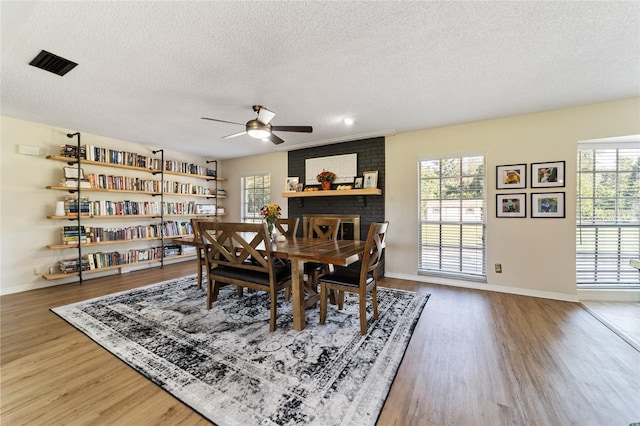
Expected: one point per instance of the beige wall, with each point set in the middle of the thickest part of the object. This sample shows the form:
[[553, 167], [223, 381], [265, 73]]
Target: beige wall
[[274, 164], [24, 229], [537, 255]]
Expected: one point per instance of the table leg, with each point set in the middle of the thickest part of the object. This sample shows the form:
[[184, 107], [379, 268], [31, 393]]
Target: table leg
[[297, 291]]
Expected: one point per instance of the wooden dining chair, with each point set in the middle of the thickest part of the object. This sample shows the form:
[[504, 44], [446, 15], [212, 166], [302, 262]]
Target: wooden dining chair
[[241, 254], [200, 250], [348, 280], [288, 227]]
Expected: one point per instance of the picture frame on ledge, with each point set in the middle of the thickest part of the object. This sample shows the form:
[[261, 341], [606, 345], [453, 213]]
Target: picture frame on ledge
[[511, 205], [547, 175], [291, 184], [547, 205], [357, 182], [511, 176], [370, 179]]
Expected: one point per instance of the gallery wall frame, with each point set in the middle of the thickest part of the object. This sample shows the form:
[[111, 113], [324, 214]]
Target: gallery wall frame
[[511, 176], [549, 174], [511, 205], [548, 205]]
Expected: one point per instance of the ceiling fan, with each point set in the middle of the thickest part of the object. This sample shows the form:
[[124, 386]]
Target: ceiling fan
[[260, 128]]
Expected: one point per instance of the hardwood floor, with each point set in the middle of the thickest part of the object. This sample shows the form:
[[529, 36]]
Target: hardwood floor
[[476, 358]]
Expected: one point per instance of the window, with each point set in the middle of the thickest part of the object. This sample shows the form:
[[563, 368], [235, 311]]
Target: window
[[608, 216], [256, 193], [452, 219]]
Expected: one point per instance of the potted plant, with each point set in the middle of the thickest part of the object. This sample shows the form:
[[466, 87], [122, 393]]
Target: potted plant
[[326, 178]]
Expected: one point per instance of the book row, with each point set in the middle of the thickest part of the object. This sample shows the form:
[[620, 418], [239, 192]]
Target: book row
[[124, 183], [124, 208], [103, 155], [96, 234]]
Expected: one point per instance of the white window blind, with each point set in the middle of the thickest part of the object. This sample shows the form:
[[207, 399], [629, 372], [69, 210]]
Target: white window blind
[[452, 217], [256, 193], [608, 216]]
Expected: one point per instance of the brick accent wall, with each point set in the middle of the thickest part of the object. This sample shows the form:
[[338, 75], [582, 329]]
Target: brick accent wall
[[370, 158]]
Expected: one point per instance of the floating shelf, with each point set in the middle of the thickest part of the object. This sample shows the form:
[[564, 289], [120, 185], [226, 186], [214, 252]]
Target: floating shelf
[[333, 193]]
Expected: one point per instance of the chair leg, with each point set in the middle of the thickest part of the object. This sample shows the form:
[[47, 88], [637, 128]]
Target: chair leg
[[240, 291], [323, 302], [274, 308], [340, 299], [209, 293], [363, 312], [287, 294], [199, 271], [374, 294]]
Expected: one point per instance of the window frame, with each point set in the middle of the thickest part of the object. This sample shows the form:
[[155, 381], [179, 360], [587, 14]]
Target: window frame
[[245, 215], [475, 270]]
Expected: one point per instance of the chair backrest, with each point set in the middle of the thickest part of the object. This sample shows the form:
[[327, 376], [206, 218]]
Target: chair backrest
[[196, 228], [373, 248], [237, 245], [325, 228], [288, 227]]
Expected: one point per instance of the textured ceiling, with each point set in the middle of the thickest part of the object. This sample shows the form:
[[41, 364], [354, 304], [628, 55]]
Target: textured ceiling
[[149, 70]]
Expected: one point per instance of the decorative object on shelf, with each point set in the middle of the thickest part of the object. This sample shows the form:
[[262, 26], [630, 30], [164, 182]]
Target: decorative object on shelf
[[511, 205], [290, 184], [511, 176], [271, 213], [547, 204], [60, 208], [547, 175], [325, 178], [299, 187], [370, 179], [344, 187]]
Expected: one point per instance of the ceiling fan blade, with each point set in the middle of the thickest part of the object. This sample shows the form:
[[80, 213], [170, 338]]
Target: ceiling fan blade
[[301, 129], [265, 116], [276, 140], [222, 121], [235, 135]]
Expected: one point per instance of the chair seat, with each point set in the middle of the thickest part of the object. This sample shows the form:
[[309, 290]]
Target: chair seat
[[283, 274], [346, 277], [313, 266]]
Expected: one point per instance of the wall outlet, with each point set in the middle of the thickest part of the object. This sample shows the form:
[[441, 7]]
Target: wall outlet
[[499, 268], [37, 270]]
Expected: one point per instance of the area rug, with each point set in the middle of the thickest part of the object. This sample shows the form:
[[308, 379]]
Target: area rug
[[225, 364]]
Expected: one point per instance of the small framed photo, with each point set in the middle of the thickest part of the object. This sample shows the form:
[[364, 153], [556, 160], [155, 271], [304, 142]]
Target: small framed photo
[[547, 204], [511, 205], [291, 184], [357, 183], [511, 176], [370, 179], [547, 175]]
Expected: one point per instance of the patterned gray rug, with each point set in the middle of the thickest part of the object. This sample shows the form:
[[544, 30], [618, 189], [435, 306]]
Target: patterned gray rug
[[226, 365]]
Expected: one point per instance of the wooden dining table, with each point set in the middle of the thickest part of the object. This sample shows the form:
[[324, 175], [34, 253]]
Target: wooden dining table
[[301, 250]]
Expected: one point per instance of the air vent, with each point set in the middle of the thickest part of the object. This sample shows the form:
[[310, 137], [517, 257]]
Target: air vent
[[52, 63]]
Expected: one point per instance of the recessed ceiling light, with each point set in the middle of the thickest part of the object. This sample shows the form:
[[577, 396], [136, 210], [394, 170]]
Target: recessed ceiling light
[[348, 121]]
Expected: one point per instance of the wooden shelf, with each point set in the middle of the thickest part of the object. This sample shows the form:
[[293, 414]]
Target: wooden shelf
[[123, 166], [171, 194], [132, 216], [333, 193], [102, 243], [60, 275]]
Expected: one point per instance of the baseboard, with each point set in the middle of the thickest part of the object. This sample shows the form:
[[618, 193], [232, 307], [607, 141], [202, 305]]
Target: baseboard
[[484, 286], [620, 295]]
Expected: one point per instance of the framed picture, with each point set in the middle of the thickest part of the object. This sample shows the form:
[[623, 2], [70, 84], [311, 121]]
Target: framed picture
[[547, 175], [511, 176], [370, 179], [511, 205], [291, 184], [547, 204], [357, 183]]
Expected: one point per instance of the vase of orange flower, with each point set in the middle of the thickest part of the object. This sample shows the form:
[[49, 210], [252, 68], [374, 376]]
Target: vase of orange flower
[[326, 178], [271, 213]]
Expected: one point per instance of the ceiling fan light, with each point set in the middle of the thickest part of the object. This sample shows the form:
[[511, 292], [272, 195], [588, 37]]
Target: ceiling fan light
[[258, 133]]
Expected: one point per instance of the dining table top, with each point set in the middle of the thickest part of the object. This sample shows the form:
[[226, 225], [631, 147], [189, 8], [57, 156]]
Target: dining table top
[[340, 252]]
